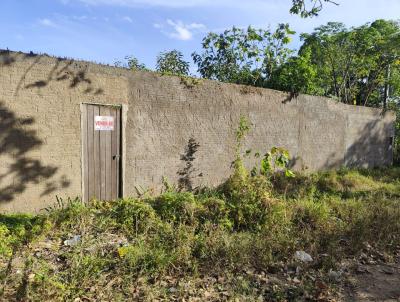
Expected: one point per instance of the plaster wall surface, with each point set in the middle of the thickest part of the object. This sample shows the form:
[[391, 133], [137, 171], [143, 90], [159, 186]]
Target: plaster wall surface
[[40, 128]]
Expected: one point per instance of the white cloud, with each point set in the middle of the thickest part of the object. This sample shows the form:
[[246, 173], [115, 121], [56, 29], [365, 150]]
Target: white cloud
[[127, 19], [179, 30], [47, 22]]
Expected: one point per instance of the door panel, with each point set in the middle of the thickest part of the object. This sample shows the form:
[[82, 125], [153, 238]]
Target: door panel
[[101, 152], [90, 146]]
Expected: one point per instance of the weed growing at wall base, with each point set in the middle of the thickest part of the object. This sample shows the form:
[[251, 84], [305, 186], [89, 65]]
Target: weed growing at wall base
[[217, 243]]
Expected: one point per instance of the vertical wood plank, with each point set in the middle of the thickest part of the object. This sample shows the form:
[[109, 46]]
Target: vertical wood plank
[[119, 151], [101, 168], [96, 156], [108, 158], [114, 160], [85, 154], [103, 160], [90, 145]]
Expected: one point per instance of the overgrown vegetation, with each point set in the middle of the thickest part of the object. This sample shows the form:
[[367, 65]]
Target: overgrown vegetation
[[250, 223], [215, 244]]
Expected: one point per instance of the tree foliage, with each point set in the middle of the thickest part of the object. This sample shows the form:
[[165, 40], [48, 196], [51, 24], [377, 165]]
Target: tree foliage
[[172, 62], [355, 65], [300, 7], [132, 63], [244, 56], [297, 75]]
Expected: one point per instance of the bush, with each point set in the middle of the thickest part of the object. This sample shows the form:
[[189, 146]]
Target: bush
[[248, 199], [143, 257], [134, 216], [6, 242], [249, 222], [176, 207], [216, 211]]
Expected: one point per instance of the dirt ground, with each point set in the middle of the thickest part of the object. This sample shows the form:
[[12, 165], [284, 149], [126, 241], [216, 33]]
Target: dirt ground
[[373, 282]]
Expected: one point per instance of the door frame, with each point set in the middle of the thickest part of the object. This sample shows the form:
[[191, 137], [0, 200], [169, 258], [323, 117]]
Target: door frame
[[124, 110]]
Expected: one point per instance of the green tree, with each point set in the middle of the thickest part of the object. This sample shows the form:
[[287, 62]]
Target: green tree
[[134, 64], [384, 62], [172, 62], [355, 65], [131, 63], [297, 75], [244, 56], [300, 7]]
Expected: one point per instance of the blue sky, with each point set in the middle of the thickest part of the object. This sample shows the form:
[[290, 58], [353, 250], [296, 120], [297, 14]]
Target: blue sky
[[107, 30]]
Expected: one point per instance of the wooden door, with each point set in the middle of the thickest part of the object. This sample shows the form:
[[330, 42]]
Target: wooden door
[[101, 152]]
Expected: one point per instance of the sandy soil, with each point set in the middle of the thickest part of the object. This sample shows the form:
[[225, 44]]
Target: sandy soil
[[374, 282]]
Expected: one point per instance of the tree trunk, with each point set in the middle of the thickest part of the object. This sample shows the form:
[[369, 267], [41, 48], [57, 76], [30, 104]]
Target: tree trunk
[[387, 88]]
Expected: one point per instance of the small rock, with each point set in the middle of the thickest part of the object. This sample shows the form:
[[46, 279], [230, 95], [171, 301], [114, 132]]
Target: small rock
[[31, 277], [303, 256], [73, 241], [172, 290], [334, 275]]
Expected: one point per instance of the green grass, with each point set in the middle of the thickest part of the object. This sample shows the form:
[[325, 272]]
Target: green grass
[[174, 245]]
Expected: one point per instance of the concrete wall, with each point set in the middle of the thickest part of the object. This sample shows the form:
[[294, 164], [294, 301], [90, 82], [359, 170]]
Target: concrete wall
[[40, 130]]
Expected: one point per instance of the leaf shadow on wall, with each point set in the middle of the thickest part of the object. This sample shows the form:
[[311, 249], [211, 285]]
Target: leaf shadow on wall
[[17, 139], [371, 147], [62, 71], [68, 71]]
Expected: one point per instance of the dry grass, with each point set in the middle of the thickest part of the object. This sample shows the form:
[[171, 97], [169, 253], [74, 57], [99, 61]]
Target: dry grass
[[233, 242]]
